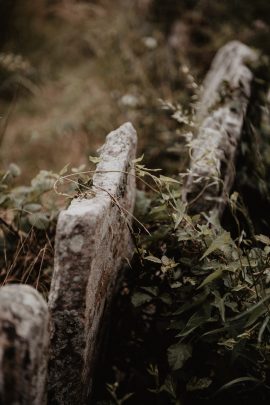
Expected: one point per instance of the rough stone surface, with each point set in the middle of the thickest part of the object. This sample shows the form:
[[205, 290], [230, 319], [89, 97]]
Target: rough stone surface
[[92, 241], [24, 339], [220, 117]]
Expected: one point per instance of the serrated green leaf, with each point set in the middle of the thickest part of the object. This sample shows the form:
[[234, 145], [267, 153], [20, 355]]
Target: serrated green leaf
[[178, 354], [219, 243]]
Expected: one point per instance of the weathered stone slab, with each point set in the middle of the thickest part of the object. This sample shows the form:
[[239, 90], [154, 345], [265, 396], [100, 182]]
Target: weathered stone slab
[[24, 340], [220, 116], [92, 241]]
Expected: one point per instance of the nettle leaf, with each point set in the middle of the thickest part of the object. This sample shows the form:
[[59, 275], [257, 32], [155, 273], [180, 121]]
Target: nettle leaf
[[178, 354], [167, 264], [169, 386], [221, 242]]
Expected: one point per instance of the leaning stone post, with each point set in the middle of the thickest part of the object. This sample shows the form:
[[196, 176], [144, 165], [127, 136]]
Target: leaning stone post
[[220, 115], [92, 242], [24, 339]]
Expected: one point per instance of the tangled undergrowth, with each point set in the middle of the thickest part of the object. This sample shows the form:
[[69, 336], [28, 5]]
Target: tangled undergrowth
[[191, 321]]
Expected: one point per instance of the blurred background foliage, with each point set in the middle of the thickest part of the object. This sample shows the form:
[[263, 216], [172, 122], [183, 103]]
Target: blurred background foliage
[[71, 71]]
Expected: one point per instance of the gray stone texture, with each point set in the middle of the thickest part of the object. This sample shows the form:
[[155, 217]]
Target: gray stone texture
[[24, 340], [92, 242], [220, 116]]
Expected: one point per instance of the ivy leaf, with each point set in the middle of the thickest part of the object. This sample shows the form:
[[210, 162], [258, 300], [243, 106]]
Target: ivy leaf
[[221, 242], [179, 214], [178, 354]]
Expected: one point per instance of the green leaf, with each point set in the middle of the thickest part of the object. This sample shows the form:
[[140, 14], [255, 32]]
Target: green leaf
[[166, 179], [153, 259], [140, 298], [238, 381], [151, 290], [178, 354], [169, 386], [139, 159], [179, 214], [196, 320], [192, 303], [263, 239], [32, 207], [39, 220], [223, 240], [14, 170], [95, 159], [213, 276], [196, 384], [142, 203], [64, 170]]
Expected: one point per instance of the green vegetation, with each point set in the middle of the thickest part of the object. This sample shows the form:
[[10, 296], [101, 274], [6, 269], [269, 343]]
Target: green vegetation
[[191, 321]]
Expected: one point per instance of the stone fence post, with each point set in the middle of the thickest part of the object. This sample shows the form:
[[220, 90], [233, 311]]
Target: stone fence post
[[24, 340], [92, 242]]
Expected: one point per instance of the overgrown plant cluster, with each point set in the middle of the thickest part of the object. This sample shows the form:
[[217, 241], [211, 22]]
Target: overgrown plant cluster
[[191, 322]]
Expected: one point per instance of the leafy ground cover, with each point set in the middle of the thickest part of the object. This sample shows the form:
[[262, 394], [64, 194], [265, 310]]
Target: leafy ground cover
[[191, 321]]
